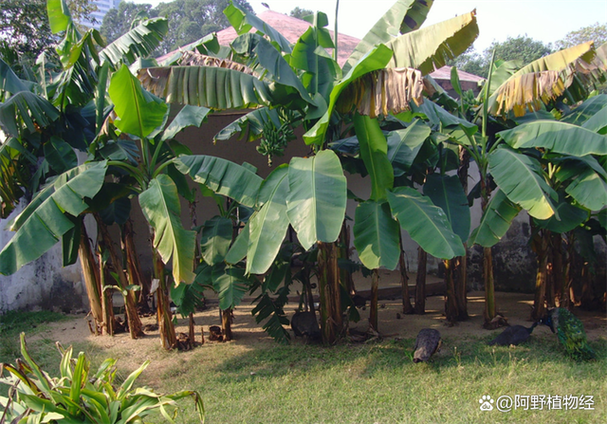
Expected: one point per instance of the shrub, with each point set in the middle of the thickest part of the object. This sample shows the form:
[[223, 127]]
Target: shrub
[[78, 396]]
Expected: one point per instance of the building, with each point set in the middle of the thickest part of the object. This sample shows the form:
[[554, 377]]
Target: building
[[103, 6]]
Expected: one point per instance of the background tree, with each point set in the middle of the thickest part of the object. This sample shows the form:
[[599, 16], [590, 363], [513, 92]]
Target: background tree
[[190, 20], [522, 48], [300, 13], [24, 27], [596, 32], [118, 20]]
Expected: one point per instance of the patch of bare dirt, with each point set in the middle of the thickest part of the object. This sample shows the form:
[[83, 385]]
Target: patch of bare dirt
[[248, 334]]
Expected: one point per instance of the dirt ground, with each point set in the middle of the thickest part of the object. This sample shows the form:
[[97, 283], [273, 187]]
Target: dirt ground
[[515, 307]]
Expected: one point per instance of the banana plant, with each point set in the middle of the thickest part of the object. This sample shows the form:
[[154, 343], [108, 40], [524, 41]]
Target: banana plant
[[47, 121], [307, 81]]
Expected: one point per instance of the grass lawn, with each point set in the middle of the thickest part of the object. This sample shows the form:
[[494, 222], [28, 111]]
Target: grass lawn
[[369, 383]]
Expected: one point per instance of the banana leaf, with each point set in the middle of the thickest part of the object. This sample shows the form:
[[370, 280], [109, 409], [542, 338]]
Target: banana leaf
[[268, 227], [426, 223], [520, 177], [557, 137], [160, 206], [495, 221], [43, 222], [26, 109], [543, 79], [373, 151], [403, 17], [222, 176], [431, 47], [140, 41], [215, 239], [447, 193], [138, 111], [376, 235], [316, 203]]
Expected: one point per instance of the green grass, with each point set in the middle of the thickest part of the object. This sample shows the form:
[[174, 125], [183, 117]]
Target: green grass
[[380, 383], [270, 383]]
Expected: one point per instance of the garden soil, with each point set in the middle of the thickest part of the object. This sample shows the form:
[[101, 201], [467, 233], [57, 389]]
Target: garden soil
[[515, 307]]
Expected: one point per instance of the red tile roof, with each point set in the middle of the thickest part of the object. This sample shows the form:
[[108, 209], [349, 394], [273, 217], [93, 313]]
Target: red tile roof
[[292, 28]]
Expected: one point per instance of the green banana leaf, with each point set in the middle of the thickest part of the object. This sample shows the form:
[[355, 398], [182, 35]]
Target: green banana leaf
[[243, 22], [208, 86], [571, 217], [251, 125], [43, 222], [584, 178], [59, 15], [160, 206], [231, 284], [60, 155], [376, 235], [521, 178], [222, 176], [215, 239], [140, 41], [373, 151], [268, 227], [26, 109], [373, 60], [9, 81], [589, 189], [585, 111], [558, 137], [138, 111], [429, 48], [447, 193], [310, 56], [316, 203], [188, 116], [495, 220], [426, 223], [270, 59], [404, 145], [238, 251], [403, 17]]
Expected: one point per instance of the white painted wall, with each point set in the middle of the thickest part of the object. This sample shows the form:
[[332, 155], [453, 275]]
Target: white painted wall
[[42, 284]]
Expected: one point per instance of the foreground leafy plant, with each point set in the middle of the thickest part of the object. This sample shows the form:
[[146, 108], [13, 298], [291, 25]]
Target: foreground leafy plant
[[78, 396]]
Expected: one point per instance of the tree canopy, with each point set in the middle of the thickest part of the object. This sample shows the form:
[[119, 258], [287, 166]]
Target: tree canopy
[[189, 20], [299, 13], [24, 27], [596, 33], [521, 48], [117, 21]]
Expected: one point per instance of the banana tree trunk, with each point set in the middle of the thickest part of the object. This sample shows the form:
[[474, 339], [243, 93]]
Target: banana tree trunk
[[461, 287], [451, 311], [330, 300], [91, 279], [420, 282], [344, 253], [541, 250], [489, 312], [133, 266], [226, 324], [490, 308], [404, 280], [373, 312], [130, 303], [557, 268], [106, 300], [165, 321]]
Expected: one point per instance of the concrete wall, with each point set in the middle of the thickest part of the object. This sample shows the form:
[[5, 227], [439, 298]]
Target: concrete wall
[[42, 284]]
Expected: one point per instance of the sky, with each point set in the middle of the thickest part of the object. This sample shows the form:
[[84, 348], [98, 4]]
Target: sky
[[543, 20]]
